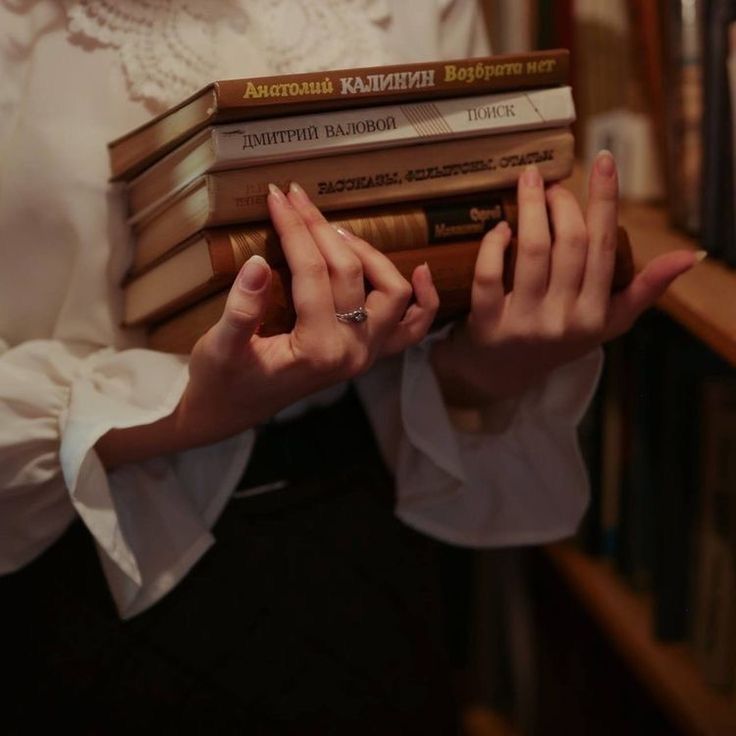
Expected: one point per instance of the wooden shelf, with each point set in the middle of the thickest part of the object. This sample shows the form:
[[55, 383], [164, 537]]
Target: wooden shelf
[[667, 670], [702, 300]]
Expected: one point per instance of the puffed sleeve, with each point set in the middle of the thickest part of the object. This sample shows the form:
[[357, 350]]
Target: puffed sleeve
[[61, 389], [522, 483]]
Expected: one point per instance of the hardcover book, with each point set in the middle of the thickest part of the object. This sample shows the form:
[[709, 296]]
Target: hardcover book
[[368, 178], [451, 265], [262, 97], [257, 142], [210, 260]]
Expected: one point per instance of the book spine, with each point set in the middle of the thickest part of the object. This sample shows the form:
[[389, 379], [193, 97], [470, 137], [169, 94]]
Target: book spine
[[452, 268], [390, 228], [306, 136], [398, 82], [393, 229], [379, 177], [247, 99]]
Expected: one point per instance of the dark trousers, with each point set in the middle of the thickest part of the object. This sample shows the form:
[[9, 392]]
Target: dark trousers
[[316, 612]]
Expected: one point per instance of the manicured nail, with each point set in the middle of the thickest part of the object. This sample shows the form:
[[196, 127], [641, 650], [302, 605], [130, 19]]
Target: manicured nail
[[700, 256], [531, 176], [254, 274], [299, 193], [605, 164], [345, 233], [278, 195]]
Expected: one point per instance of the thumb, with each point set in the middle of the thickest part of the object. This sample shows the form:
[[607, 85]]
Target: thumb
[[646, 288], [244, 309]]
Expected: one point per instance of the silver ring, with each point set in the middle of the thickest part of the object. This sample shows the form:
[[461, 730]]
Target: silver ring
[[355, 317]]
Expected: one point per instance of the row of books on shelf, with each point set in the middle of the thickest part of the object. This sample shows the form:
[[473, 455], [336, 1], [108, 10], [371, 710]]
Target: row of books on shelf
[[688, 53], [418, 159], [660, 443]]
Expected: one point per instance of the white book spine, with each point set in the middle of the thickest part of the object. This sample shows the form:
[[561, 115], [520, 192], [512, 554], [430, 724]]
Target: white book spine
[[320, 134]]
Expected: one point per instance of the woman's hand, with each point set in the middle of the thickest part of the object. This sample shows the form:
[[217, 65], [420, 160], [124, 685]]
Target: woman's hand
[[560, 306], [239, 379]]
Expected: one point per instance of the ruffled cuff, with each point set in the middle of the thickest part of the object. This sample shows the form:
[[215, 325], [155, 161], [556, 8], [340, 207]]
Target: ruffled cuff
[[151, 520], [525, 484]]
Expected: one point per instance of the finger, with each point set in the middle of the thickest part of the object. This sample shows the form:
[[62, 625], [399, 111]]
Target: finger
[[646, 288], [418, 317], [532, 261], [244, 310], [487, 296], [570, 245], [310, 281], [602, 220], [388, 300], [344, 267]]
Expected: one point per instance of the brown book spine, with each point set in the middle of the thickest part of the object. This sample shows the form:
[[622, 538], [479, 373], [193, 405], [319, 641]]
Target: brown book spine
[[395, 82], [389, 228], [452, 266], [373, 178], [242, 99]]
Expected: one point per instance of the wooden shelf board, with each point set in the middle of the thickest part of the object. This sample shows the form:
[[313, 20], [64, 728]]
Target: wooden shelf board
[[667, 670], [702, 300]]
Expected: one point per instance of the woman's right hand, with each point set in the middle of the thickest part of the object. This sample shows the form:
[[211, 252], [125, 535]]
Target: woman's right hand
[[238, 379]]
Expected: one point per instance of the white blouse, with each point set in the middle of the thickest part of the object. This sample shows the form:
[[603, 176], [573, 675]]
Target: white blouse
[[76, 74]]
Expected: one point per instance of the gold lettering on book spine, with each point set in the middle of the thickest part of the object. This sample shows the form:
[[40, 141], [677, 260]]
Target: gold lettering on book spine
[[484, 71], [288, 89]]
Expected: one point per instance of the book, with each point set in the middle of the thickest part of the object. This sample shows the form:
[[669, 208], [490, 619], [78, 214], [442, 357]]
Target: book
[[452, 268], [210, 260], [718, 224], [256, 142], [262, 97], [682, 115], [369, 178], [641, 379], [714, 629]]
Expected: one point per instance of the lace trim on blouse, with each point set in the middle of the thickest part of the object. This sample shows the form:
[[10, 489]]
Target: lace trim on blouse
[[170, 48]]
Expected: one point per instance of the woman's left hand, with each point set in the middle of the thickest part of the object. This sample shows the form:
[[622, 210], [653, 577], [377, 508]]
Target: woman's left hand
[[560, 306]]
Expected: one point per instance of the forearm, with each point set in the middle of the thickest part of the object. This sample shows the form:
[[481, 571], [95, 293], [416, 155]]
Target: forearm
[[139, 443]]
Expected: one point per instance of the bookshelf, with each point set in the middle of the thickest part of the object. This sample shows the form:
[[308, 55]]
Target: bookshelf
[[704, 302]]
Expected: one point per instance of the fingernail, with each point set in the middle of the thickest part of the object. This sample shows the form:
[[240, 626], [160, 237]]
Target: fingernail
[[278, 195], [253, 275], [700, 256], [345, 233], [298, 192], [502, 227], [605, 164], [531, 176], [429, 270]]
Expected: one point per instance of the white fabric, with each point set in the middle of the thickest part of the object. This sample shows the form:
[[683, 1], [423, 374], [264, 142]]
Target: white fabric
[[70, 82]]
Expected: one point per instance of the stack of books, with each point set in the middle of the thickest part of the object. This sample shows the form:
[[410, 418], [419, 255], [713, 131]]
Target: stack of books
[[418, 159]]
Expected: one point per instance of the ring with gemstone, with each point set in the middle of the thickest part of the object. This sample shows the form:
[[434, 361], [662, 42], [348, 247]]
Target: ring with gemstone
[[355, 317]]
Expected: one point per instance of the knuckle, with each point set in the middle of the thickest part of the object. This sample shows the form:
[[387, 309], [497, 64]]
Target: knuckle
[[315, 268], [488, 279], [607, 241], [403, 291], [350, 268], [238, 318], [327, 359], [577, 241], [589, 324], [534, 248]]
